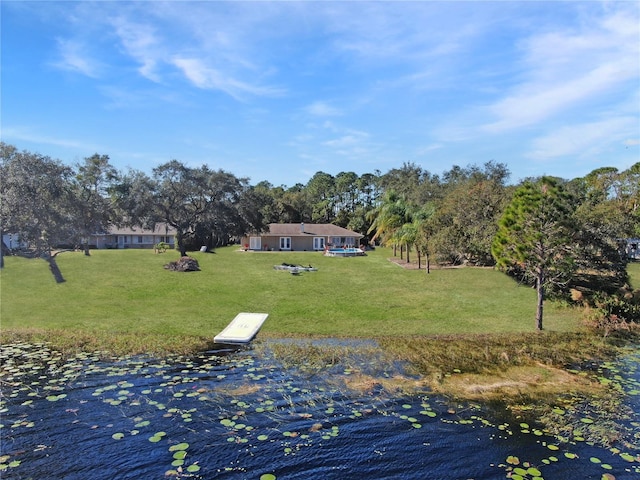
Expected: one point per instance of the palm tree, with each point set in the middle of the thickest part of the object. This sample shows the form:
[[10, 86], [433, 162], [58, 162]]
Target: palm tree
[[423, 227], [388, 218], [415, 232], [408, 235]]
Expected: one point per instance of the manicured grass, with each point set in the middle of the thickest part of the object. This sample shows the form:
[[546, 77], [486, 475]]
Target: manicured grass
[[128, 291], [634, 274]]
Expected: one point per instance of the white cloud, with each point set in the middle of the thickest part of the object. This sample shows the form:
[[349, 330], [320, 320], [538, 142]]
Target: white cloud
[[119, 97], [209, 78], [140, 42], [74, 57], [12, 135], [429, 148], [323, 109], [347, 140], [536, 102], [383, 32], [586, 139], [353, 144], [562, 69]]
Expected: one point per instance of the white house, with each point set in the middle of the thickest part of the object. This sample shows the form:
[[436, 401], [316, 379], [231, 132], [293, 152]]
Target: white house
[[135, 237]]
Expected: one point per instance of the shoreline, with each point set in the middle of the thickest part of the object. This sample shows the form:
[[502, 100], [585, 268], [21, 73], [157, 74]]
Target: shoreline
[[486, 367], [528, 376]]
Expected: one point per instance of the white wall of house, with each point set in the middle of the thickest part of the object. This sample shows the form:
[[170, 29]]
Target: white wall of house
[[13, 241], [633, 248], [127, 239]]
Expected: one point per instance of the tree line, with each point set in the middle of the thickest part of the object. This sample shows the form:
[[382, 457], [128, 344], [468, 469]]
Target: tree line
[[466, 215]]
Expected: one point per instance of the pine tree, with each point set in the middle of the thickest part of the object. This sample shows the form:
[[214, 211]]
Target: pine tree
[[535, 237]]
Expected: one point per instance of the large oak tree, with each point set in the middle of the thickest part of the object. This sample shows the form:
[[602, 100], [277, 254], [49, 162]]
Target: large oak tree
[[37, 202], [95, 208]]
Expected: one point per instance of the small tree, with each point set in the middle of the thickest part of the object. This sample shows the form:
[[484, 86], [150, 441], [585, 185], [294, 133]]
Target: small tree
[[388, 218], [535, 237], [422, 219]]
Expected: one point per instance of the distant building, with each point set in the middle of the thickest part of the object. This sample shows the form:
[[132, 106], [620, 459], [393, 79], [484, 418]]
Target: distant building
[[301, 237], [12, 241], [135, 237], [632, 248]]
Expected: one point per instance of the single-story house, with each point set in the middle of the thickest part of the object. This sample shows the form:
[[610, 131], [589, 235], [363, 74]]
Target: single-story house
[[135, 237], [301, 237]]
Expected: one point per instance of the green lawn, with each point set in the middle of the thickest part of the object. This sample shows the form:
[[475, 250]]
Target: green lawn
[[129, 291], [634, 273]]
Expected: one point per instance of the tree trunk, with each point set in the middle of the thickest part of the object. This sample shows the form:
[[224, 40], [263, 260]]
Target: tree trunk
[[419, 262], [1, 250], [180, 244], [428, 263], [540, 308], [408, 248], [86, 249], [55, 270]]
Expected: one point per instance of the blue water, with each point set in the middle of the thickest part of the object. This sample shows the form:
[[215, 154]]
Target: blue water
[[345, 252], [238, 415]]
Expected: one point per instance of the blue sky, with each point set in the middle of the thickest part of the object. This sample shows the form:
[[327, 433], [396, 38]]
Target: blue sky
[[278, 91]]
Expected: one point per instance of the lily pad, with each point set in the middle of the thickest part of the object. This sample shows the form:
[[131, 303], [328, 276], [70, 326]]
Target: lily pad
[[178, 447], [180, 454]]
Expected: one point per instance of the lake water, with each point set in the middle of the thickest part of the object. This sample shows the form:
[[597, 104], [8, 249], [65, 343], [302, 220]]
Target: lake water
[[234, 414]]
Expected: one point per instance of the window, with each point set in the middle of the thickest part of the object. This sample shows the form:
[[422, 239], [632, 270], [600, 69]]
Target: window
[[285, 243], [139, 238], [255, 243], [318, 243], [342, 241]]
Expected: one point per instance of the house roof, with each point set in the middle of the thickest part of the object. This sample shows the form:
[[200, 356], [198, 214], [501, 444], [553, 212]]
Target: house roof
[[310, 229], [160, 229]]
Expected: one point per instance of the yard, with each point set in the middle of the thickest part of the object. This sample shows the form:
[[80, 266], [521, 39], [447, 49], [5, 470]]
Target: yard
[[119, 292]]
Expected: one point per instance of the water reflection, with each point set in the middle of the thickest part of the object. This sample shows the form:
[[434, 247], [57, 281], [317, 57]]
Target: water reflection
[[234, 414]]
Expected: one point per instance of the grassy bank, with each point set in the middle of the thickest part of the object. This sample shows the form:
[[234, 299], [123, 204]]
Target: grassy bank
[[124, 301], [118, 293], [465, 332]]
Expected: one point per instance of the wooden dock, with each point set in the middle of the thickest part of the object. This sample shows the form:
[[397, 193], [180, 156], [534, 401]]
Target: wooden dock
[[242, 329]]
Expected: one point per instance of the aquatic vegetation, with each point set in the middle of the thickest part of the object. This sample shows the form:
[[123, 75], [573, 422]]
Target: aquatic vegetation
[[223, 414]]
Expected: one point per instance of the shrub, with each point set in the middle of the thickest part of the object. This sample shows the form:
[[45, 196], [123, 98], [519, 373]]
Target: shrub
[[614, 312]]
